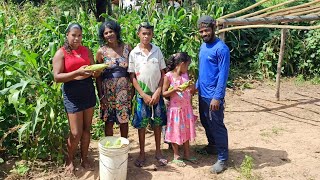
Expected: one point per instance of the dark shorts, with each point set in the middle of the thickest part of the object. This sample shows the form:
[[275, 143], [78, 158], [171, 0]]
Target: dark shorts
[[144, 115], [78, 95]]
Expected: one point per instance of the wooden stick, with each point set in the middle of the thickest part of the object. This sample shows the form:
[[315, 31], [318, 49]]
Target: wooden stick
[[266, 9], [244, 10], [268, 20], [269, 26], [290, 8], [295, 11], [307, 12], [279, 65]]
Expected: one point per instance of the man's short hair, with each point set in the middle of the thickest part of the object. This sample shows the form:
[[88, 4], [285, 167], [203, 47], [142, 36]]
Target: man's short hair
[[206, 21], [146, 25]]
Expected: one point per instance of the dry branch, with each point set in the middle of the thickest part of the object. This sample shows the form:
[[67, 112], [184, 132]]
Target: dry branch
[[268, 26], [266, 9], [268, 20], [290, 8], [244, 10], [11, 130]]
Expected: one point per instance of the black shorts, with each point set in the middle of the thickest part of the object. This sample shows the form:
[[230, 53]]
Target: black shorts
[[78, 95]]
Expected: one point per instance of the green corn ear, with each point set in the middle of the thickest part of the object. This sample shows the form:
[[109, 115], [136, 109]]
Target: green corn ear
[[96, 67], [185, 85]]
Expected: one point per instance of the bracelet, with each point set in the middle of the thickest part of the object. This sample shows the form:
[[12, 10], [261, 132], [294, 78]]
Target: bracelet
[[101, 98]]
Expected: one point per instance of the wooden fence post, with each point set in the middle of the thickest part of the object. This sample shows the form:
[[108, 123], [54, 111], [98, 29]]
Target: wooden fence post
[[222, 34], [279, 66]]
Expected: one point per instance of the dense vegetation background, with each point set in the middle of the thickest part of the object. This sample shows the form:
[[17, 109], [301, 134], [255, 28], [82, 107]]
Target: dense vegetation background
[[32, 118]]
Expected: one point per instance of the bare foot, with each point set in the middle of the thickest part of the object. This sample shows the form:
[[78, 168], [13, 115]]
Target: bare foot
[[69, 169], [88, 165], [139, 162]]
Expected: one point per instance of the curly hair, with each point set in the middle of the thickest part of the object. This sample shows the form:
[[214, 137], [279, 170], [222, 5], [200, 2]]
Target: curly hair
[[66, 44], [176, 59], [113, 25]]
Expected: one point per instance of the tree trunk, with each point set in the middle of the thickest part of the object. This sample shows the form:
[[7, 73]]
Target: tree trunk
[[101, 7], [109, 4]]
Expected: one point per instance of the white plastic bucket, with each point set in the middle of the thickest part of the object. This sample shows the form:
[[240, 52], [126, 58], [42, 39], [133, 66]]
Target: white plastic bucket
[[113, 162]]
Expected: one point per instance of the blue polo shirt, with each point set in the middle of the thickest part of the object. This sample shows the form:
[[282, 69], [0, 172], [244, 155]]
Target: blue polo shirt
[[214, 63]]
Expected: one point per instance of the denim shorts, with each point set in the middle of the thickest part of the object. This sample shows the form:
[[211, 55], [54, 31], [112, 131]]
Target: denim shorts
[[78, 95]]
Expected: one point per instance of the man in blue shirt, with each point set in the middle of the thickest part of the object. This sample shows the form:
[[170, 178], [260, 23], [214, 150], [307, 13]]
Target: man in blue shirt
[[214, 62]]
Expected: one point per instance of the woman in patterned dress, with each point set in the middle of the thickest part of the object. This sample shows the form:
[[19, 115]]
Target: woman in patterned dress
[[113, 85]]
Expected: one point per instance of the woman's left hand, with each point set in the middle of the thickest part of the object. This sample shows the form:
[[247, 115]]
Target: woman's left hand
[[96, 74]]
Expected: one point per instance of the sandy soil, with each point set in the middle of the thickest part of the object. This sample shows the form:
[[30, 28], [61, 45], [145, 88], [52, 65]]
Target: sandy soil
[[282, 137]]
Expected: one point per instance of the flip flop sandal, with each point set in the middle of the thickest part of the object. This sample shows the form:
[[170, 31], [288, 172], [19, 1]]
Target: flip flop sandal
[[179, 163], [162, 161], [139, 163], [193, 160]]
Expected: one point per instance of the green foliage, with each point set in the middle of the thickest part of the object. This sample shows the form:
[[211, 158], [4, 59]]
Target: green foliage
[[98, 131], [255, 51], [20, 168], [30, 101], [301, 54], [246, 167]]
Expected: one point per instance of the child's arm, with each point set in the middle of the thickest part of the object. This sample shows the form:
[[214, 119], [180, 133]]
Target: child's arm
[[156, 95], [146, 97], [165, 87], [99, 78], [192, 88]]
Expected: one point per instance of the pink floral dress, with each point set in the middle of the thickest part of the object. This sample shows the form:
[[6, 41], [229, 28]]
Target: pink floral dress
[[181, 120]]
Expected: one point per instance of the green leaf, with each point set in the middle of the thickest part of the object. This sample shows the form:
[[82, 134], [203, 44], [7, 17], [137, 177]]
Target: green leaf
[[51, 114], [1, 161], [36, 113], [13, 97], [31, 58], [24, 127]]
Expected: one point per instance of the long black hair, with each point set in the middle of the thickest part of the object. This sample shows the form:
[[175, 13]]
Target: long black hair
[[176, 59], [113, 25], [66, 44]]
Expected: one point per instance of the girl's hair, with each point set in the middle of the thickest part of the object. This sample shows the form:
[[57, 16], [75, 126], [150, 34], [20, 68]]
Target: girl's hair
[[111, 25], [176, 59], [66, 44]]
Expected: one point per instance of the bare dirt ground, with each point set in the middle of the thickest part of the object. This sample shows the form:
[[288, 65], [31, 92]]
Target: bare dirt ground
[[282, 137]]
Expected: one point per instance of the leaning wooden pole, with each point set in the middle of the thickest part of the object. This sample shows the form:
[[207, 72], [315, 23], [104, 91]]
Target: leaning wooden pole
[[222, 34], [279, 66]]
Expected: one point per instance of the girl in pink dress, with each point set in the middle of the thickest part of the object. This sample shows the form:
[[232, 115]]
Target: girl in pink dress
[[180, 118]]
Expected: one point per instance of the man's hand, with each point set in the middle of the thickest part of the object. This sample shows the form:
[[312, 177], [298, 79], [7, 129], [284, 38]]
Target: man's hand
[[155, 97], [146, 98], [214, 105]]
